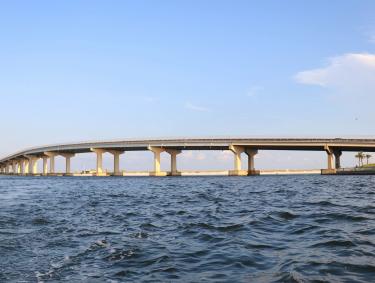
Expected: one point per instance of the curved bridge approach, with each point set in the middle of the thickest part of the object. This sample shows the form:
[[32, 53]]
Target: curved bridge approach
[[25, 162]]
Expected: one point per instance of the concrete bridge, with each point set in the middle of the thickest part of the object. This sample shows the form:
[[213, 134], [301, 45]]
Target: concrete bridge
[[25, 162]]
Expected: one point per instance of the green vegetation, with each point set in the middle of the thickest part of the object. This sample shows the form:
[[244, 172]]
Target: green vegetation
[[371, 165], [361, 156]]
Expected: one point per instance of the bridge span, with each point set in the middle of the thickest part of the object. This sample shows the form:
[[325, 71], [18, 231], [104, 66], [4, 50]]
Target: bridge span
[[25, 162]]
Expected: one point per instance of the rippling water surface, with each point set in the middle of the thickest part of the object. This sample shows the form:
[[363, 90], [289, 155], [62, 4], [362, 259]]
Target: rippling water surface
[[188, 229]]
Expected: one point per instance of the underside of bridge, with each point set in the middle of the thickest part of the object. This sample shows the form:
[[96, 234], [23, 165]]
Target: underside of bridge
[[25, 162]]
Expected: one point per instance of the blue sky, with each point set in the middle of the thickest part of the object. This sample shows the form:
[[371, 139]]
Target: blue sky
[[89, 70]]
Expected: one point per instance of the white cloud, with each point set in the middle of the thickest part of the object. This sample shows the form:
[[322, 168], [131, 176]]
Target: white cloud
[[353, 69], [352, 73], [193, 107]]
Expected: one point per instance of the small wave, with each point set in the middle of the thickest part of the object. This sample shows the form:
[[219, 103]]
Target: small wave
[[118, 255], [286, 215], [207, 226], [123, 273], [166, 270], [159, 259], [210, 238], [102, 243], [150, 226], [303, 230], [327, 217], [259, 246], [323, 203], [334, 243], [139, 235], [40, 221], [367, 232], [292, 277]]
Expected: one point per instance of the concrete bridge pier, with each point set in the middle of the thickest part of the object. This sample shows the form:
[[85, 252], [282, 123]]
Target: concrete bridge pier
[[20, 167], [173, 153], [157, 151], [337, 154], [6, 169], [45, 165], [116, 161], [250, 152], [32, 164], [51, 156], [67, 157], [330, 161], [237, 150], [26, 166], [14, 167], [99, 161]]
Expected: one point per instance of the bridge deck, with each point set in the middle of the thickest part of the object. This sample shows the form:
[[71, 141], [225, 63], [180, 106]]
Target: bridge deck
[[318, 144]]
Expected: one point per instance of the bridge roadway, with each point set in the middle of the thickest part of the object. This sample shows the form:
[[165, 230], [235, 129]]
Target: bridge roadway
[[25, 162]]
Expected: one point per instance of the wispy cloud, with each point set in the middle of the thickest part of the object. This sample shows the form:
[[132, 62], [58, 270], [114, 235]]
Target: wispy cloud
[[254, 90], [194, 107], [348, 80], [349, 73]]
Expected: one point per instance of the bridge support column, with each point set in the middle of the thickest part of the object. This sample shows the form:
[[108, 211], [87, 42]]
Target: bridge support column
[[337, 154], [32, 164], [45, 165], [330, 161], [14, 167], [157, 151], [237, 150], [99, 161], [116, 161], [27, 166], [250, 152], [173, 153], [20, 167], [67, 157], [51, 156]]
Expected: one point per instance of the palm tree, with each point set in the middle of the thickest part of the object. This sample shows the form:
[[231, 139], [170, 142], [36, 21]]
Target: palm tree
[[360, 157], [368, 156]]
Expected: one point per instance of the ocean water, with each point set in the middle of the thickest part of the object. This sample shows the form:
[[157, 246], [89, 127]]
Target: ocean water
[[187, 229]]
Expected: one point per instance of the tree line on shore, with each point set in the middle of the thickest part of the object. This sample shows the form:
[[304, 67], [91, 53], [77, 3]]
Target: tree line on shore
[[362, 156]]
